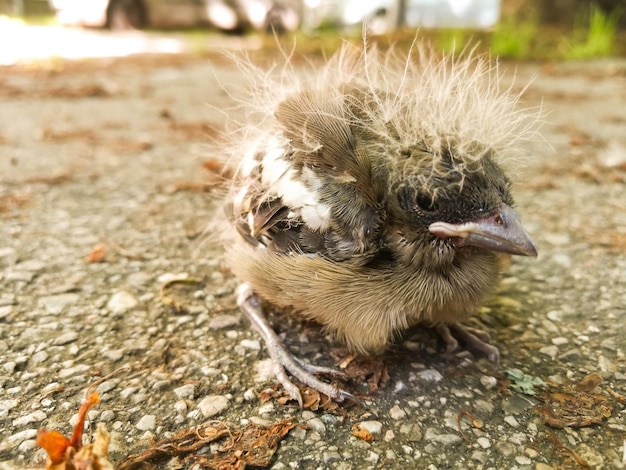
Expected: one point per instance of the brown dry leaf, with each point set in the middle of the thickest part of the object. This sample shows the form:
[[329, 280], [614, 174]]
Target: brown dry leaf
[[58, 178], [217, 167], [84, 91], [267, 394], [193, 130], [362, 433], [620, 399], [373, 370], [253, 446], [311, 400], [213, 165], [589, 382], [97, 254], [69, 454], [10, 202], [575, 406]]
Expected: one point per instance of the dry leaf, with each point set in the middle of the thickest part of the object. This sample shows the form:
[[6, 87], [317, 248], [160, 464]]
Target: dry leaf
[[362, 433], [97, 254], [69, 454], [253, 446]]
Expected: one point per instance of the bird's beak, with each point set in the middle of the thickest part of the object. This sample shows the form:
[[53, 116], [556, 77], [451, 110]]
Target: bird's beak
[[501, 231]]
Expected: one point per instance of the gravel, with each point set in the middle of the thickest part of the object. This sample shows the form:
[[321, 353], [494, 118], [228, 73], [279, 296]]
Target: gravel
[[122, 169]]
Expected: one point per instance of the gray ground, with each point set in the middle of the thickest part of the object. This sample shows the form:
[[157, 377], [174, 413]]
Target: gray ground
[[111, 153]]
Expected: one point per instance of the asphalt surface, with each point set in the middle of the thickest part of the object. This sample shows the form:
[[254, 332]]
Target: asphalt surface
[[106, 190]]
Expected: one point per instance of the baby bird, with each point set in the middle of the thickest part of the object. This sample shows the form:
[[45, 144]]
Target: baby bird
[[370, 197]]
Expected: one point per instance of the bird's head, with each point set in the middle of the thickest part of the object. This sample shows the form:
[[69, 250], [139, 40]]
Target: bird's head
[[460, 204]]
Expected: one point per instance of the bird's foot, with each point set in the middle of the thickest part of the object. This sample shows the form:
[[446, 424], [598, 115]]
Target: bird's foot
[[284, 362], [474, 340]]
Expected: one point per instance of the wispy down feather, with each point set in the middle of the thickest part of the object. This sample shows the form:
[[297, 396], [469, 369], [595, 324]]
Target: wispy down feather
[[420, 103]]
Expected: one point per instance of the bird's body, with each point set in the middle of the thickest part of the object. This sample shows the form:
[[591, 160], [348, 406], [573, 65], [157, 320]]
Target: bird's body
[[370, 197], [367, 306]]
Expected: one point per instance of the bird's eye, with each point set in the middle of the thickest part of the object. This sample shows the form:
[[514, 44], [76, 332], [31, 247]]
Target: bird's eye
[[425, 202]]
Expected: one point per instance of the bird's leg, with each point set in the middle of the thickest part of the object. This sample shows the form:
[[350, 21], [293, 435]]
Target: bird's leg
[[474, 339], [284, 362]]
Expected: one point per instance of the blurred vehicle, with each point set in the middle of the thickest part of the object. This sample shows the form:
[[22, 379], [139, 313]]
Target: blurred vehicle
[[227, 15], [383, 15]]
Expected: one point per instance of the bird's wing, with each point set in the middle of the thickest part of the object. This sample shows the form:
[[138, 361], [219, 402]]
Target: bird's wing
[[311, 186]]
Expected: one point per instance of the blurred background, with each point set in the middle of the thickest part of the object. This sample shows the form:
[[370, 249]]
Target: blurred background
[[559, 29]]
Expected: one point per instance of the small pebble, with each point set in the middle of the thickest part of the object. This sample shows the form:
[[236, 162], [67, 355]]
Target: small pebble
[[488, 381], [55, 304], [34, 417], [181, 407], [146, 423], [220, 322], [121, 302], [27, 445], [39, 357], [317, 425], [571, 355], [430, 375], [555, 316], [551, 351], [511, 421], [114, 355], [559, 341], [213, 405], [185, 391], [266, 408], [397, 413], [373, 427], [445, 439], [65, 338], [373, 457], [6, 405], [251, 344], [107, 416], [532, 453], [16, 439], [5, 311], [107, 386], [483, 442], [329, 457]]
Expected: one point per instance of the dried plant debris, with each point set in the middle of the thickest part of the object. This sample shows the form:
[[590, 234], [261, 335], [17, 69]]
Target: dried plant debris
[[254, 446], [576, 405], [360, 369], [361, 433], [69, 453], [560, 448], [174, 288], [10, 203], [97, 254], [311, 400]]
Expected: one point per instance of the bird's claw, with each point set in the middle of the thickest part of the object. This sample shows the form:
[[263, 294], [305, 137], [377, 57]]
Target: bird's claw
[[283, 361], [474, 340]]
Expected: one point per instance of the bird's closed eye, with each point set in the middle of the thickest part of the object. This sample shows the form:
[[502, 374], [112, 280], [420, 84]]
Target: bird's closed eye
[[425, 203]]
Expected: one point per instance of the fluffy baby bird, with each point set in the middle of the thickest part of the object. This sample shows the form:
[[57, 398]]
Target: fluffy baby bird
[[370, 197]]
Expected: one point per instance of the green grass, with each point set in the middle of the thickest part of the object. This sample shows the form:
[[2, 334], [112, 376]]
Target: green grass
[[598, 40], [515, 39]]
